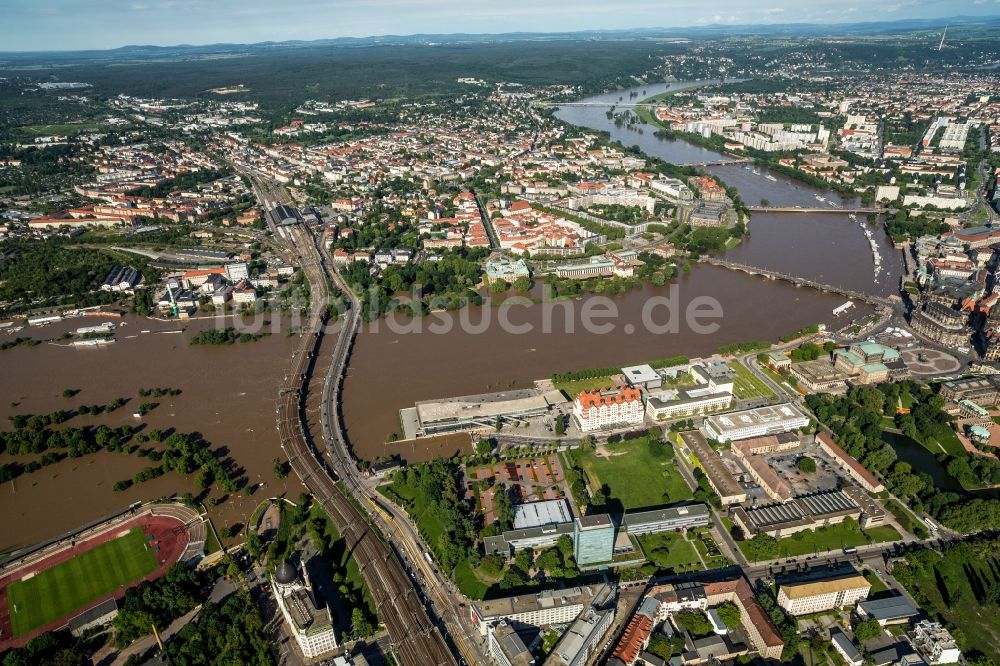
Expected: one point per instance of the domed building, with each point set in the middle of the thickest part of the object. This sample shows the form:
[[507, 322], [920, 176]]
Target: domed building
[[308, 620]]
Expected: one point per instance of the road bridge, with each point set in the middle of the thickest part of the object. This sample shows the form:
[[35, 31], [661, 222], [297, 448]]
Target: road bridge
[[800, 282], [800, 209]]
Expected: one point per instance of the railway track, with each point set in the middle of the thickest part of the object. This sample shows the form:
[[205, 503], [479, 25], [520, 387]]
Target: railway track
[[415, 638]]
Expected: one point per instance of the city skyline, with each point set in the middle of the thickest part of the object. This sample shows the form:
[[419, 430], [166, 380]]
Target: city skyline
[[59, 25]]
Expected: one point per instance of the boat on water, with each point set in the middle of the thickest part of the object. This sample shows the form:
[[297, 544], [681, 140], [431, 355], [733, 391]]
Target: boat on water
[[771, 178]]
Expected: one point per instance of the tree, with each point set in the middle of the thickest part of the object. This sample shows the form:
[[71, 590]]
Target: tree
[[730, 615], [498, 286], [694, 622], [280, 469], [560, 425], [867, 630], [253, 544], [504, 508], [806, 465], [522, 284], [483, 447]]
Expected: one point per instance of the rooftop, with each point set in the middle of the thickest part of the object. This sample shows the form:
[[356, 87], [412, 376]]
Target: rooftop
[[829, 586], [538, 514]]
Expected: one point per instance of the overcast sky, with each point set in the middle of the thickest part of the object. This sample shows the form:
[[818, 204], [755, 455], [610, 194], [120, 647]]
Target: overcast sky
[[77, 24]]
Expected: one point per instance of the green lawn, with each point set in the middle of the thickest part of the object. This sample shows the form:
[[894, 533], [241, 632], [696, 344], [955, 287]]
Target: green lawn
[[877, 585], [573, 388], [634, 476], [830, 538], [468, 582], [56, 592], [746, 384], [670, 551], [906, 520]]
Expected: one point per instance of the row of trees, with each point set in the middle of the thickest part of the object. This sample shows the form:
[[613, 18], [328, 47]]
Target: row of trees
[[856, 420]]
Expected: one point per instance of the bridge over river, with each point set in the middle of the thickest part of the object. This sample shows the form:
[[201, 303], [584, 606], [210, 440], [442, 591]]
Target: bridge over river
[[852, 294], [829, 209]]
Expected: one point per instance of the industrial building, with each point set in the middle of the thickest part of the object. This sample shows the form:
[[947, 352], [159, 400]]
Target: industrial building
[[807, 512]]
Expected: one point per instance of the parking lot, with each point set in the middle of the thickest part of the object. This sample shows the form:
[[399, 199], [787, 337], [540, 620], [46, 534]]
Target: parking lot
[[826, 476]]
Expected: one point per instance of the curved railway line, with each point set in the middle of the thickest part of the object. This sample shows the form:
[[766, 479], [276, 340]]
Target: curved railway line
[[416, 640]]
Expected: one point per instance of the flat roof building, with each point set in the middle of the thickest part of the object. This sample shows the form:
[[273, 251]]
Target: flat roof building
[[642, 376], [663, 520], [539, 514], [482, 411], [755, 422], [534, 610], [594, 540]]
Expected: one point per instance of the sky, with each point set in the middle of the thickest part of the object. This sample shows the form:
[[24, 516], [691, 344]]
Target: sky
[[53, 25]]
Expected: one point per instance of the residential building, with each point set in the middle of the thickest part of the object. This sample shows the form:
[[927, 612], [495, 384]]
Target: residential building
[[934, 643], [821, 595]]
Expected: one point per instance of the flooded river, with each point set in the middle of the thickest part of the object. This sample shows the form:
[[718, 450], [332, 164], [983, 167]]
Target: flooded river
[[390, 370], [229, 392], [228, 395]]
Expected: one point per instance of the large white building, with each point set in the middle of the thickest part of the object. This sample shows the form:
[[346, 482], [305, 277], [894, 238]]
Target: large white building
[[755, 422], [822, 595], [712, 393], [308, 621], [607, 408], [535, 610]]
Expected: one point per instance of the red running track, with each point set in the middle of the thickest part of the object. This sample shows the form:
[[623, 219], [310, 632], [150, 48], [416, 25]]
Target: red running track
[[169, 534]]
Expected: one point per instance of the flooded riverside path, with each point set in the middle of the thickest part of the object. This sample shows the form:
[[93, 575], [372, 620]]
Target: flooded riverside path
[[390, 371], [227, 394]]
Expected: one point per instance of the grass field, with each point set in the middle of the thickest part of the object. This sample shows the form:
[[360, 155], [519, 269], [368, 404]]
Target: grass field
[[573, 388], [635, 477], [671, 552], [746, 385], [830, 538], [71, 585]]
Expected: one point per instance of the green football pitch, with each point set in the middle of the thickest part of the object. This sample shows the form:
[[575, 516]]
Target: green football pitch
[[71, 585]]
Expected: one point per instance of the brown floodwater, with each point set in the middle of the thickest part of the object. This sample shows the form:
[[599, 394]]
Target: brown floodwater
[[390, 370], [228, 395]]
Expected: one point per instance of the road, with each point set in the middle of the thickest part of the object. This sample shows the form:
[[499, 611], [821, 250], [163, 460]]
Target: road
[[444, 598], [415, 638]]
